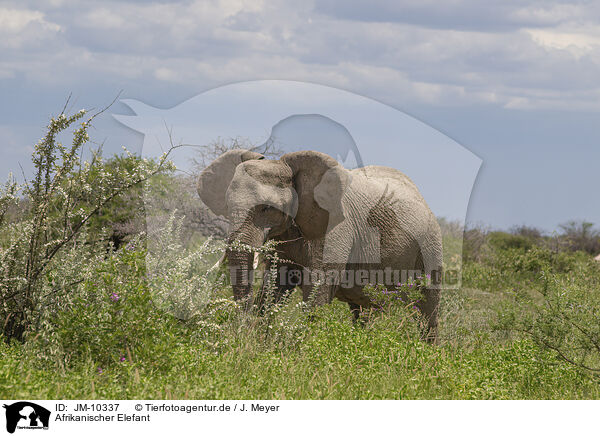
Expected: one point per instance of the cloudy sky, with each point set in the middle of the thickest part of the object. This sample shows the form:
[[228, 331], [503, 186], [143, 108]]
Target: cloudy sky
[[515, 82]]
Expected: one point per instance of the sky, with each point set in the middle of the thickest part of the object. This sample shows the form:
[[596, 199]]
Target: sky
[[295, 116], [517, 83]]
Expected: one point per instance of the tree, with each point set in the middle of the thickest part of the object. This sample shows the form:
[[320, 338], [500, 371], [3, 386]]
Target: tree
[[61, 199], [581, 236]]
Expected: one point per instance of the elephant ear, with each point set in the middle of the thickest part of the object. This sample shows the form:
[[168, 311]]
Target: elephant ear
[[215, 178], [312, 172]]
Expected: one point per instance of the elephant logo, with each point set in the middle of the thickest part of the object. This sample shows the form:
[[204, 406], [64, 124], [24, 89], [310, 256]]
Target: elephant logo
[[26, 415], [320, 132], [357, 132]]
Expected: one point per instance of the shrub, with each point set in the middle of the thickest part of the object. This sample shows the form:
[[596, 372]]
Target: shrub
[[60, 200], [562, 316], [506, 241], [398, 306], [123, 216], [109, 318], [580, 236], [179, 275]]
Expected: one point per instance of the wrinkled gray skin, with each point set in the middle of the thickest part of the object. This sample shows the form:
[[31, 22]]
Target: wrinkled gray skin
[[326, 218]]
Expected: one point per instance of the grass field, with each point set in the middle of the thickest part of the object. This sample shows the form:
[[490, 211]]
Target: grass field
[[102, 348]]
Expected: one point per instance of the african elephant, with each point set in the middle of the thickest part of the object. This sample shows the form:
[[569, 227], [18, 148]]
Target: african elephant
[[331, 223]]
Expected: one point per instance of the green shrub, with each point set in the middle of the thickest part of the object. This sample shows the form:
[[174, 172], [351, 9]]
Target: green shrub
[[509, 268], [111, 316], [59, 201], [563, 315], [507, 241], [178, 273]]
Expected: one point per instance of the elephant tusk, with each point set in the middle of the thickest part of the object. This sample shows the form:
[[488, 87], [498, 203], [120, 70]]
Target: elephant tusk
[[255, 263], [222, 259], [218, 264]]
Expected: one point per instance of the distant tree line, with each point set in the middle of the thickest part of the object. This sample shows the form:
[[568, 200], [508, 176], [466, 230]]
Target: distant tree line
[[574, 235]]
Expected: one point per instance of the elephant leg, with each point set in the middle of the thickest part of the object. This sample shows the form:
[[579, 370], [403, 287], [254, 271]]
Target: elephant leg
[[318, 288], [356, 311], [318, 294], [430, 303], [429, 307]]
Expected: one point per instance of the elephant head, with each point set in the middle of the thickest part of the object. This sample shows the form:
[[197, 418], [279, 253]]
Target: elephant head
[[263, 198]]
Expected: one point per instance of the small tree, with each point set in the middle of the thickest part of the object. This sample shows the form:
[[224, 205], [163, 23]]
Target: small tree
[[563, 317], [61, 199], [581, 235], [123, 216]]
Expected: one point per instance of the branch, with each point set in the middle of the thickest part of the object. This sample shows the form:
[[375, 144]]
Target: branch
[[559, 351], [77, 228]]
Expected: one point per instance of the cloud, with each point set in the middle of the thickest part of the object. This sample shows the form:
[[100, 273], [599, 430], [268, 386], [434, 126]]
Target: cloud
[[24, 29], [579, 41], [491, 15], [477, 58], [515, 54], [16, 20]]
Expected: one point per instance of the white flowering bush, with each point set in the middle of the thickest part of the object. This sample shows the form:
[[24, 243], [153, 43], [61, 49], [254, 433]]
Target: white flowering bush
[[180, 276], [8, 197], [56, 207]]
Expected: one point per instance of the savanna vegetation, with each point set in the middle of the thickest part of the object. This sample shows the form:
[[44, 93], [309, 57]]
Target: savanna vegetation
[[98, 302]]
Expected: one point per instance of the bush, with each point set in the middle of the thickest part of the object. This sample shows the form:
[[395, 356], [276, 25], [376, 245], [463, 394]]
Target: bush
[[475, 245], [506, 241], [60, 200], [563, 315], [511, 267], [179, 274], [123, 216], [110, 317], [580, 236]]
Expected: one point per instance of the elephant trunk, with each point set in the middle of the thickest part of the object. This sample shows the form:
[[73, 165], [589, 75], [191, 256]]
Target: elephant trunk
[[241, 261]]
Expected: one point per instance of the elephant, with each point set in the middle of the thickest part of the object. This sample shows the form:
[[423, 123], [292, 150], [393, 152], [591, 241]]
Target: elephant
[[328, 223]]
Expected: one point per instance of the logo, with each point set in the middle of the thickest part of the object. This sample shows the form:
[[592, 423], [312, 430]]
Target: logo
[[26, 415], [363, 179]]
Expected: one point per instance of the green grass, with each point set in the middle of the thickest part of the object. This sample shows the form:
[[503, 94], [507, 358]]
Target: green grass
[[335, 360], [96, 347]]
